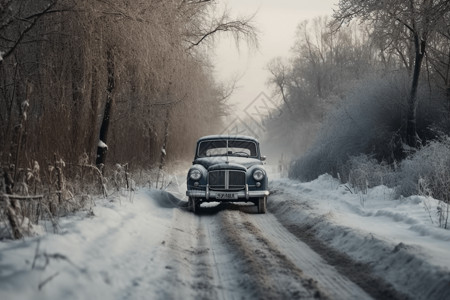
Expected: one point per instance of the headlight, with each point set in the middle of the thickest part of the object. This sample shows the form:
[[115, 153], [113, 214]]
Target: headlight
[[258, 175], [195, 174]]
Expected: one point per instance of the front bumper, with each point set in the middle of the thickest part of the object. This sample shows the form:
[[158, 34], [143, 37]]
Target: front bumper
[[242, 194]]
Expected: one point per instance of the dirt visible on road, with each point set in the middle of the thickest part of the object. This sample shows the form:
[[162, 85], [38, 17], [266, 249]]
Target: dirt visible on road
[[270, 275]]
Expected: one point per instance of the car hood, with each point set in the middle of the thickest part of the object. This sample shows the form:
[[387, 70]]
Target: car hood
[[232, 162]]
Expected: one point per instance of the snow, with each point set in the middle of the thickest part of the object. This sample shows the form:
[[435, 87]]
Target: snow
[[24, 106], [144, 247], [101, 144], [405, 220], [91, 257], [396, 237]]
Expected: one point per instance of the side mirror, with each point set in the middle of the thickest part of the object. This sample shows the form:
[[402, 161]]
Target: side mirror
[[263, 158]]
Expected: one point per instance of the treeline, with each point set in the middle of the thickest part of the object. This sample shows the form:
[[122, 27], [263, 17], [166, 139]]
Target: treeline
[[338, 62], [67, 67]]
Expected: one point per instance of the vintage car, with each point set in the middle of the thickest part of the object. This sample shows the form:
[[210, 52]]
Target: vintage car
[[227, 168]]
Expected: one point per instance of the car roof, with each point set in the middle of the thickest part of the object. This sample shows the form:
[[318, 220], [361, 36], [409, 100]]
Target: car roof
[[227, 137]]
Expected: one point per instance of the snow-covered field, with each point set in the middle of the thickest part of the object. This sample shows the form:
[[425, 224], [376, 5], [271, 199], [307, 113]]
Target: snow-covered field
[[318, 240]]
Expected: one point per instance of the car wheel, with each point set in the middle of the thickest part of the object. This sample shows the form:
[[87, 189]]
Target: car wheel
[[193, 205], [190, 204], [262, 205]]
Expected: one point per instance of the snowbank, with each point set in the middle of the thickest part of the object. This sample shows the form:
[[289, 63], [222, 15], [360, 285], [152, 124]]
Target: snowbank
[[396, 238]]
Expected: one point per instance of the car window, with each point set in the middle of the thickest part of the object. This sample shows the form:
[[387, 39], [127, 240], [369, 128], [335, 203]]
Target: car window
[[224, 147]]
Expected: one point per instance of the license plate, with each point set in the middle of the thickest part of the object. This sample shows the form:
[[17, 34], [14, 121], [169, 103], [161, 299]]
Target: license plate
[[226, 196]]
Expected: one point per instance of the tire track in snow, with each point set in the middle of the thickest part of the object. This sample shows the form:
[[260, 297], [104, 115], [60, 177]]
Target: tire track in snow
[[188, 273], [199, 265], [221, 261], [264, 271], [328, 278]]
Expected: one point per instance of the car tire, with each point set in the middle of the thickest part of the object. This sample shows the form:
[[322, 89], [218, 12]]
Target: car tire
[[190, 204], [193, 205], [262, 205]]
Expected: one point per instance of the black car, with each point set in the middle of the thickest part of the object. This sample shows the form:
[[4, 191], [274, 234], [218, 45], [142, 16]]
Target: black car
[[227, 168]]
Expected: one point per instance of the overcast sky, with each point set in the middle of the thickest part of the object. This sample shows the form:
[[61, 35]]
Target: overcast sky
[[277, 22]]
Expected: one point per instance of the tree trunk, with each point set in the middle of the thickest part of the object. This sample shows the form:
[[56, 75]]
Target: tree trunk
[[162, 161], [448, 96], [102, 149], [77, 122], [412, 138], [20, 131], [11, 212], [93, 112]]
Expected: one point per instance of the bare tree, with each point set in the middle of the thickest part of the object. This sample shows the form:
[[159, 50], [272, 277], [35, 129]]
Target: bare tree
[[279, 78]]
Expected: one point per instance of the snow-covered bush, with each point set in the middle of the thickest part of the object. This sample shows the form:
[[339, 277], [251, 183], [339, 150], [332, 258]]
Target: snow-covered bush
[[427, 173], [430, 166], [369, 121], [365, 172]]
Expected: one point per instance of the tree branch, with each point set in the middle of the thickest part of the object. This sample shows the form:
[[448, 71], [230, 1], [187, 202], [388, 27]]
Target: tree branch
[[235, 26], [26, 30]]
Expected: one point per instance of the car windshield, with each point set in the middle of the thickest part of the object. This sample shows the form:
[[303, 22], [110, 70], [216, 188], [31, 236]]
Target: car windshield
[[227, 147]]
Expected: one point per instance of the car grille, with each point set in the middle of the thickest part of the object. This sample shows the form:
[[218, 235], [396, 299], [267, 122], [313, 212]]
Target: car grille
[[226, 180]]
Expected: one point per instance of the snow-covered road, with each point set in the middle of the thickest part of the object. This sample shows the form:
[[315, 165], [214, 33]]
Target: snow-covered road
[[153, 248]]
